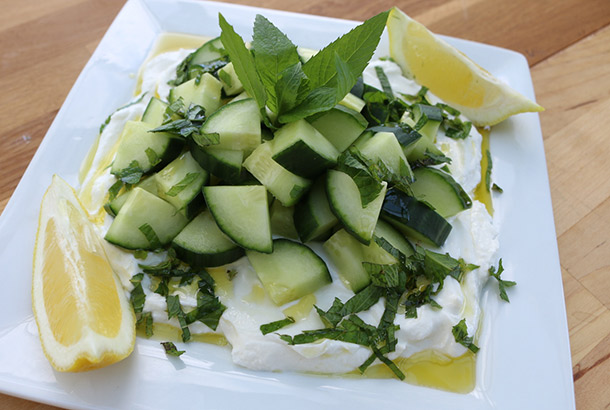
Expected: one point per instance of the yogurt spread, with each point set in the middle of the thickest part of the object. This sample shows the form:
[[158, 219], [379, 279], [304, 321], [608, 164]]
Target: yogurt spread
[[473, 238]]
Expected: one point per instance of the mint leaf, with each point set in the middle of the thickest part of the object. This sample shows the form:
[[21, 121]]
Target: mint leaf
[[460, 334], [132, 174], [174, 309], [273, 54], [350, 163], [383, 80], [290, 88], [318, 100], [171, 350], [502, 284], [137, 297], [185, 182], [151, 236], [354, 48], [244, 64], [278, 324]]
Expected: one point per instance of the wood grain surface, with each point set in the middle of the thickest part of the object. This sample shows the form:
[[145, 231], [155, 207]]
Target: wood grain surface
[[566, 42]]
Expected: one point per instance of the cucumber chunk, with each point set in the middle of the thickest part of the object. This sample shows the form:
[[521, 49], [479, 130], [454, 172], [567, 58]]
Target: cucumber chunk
[[211, 50], [142, 150], [313, 218], [290, 272], [348, 254], [384, 147], [180, 183], [282, 222], [145, 222], [415, 219], [238, 125], [302, 150], [386, 231], [148, 184], [202, 244], [285, 186], [242, 213], [439, 190], [230, 81], [352, 102], [345, 203], [155, 112], [205, 93], [341, 126], [226, 164]]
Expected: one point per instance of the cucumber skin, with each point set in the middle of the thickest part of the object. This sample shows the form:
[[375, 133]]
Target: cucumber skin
[[222, 170], [415, 218], [197, 260], [461, 200], [303, 161]]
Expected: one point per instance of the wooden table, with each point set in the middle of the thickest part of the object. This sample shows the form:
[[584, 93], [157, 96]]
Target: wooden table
[[566, 42]]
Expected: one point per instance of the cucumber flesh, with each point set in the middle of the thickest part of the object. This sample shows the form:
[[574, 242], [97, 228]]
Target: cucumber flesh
[[230, 81], [144, 150], [439, 190], [285, 186], [154, 114], [347, 255], [282, 222], [242, 213], [238, 125], [180, 183], [226, 164], [202, 244], [290, 272], [144, 212], [386, 231], [345, 203], [384, 147], [148, 184], [205, 93], [341, 126]]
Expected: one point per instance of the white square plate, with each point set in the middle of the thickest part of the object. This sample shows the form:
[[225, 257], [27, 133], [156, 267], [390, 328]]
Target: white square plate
[[525, 357]]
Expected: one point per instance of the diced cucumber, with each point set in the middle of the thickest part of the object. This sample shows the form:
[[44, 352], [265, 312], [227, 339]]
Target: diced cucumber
[[209, 51], [238, 124], [345, 202], [384, 146], [285, 186], [230, 81], [145, 222], [341, 126], [386, 231], [226, 164], [148, 184], [180, 183], [353, 102], [154, 113], [202, 244], [290, 272], [441, 191], [143, 150], [415, 219], [312, 216], [205, 93], [348, 254], [282, 222], [302, 150], [434, 116], [242, 213]]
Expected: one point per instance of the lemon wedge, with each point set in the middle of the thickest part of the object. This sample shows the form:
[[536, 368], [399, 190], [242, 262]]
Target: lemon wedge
[[451, 75], [84, 318]]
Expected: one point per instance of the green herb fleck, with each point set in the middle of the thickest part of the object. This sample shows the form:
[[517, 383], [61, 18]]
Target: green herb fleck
[[278, 324], [171, 350], [460, 334], [185, 182], [502, 284]]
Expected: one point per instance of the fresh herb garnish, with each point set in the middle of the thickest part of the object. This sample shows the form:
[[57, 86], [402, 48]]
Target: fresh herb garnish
[[460, 334], [184, 182], [383, 80], [151, 235], [274, 75], [502, 284], [171, 350], [276, 325], [132, 174]]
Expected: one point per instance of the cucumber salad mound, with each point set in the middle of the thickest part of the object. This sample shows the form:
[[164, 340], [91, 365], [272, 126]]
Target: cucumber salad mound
[[316, 211]]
